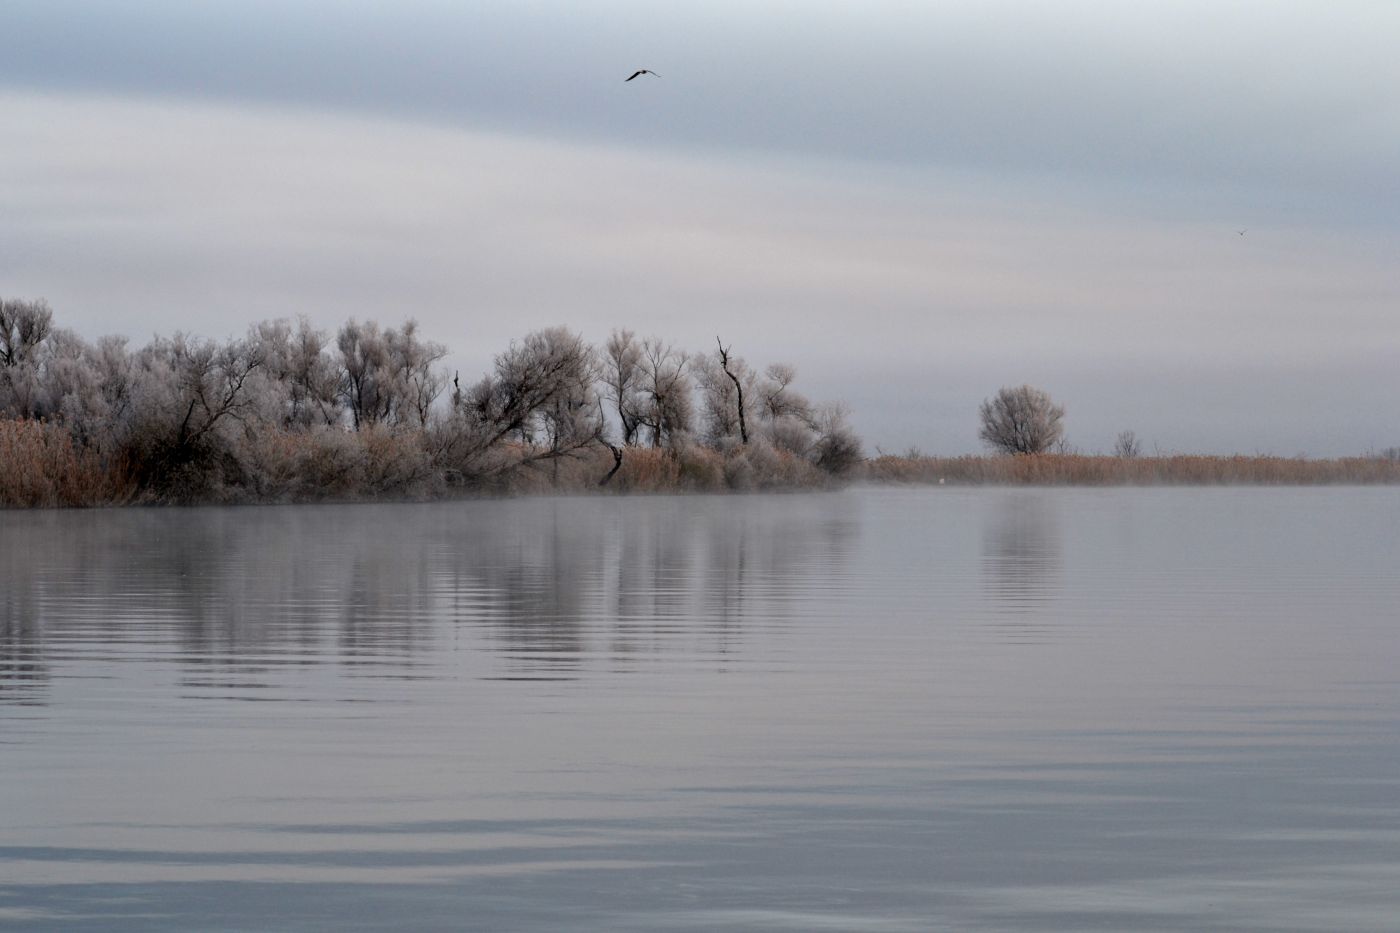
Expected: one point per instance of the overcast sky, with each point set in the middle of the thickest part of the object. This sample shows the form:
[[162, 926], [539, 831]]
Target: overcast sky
[[914, 203]]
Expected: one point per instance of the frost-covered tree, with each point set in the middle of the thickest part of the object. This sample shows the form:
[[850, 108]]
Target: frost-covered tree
[[667, 411], [88, 388], [1021, 420], [189, 419], [388, 376], [302, 378], [24, 325], [207, 383], [776, 397], [622, 376], [541, 395], [413, 373], [727, 389]]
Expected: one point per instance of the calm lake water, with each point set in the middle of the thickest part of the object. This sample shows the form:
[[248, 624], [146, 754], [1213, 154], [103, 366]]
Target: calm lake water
[[884, 709]]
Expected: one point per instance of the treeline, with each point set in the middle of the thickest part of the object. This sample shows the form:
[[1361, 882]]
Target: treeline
[[290, 413]]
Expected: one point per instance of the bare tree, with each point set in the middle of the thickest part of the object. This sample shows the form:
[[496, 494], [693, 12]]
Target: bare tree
[[412, 373], [666, 389], [363, 361], [388, 376], [777, 398], [622, 377], [738, 389], [572, 419], [722, 399], [189, 397], [24, 325], [547, 369], [541, 393], [86, 388], [1127, 446], [1021, 420], [212, 381], [305, 379]]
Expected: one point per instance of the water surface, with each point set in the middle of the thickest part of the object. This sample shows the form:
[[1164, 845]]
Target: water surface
[[885, 709]]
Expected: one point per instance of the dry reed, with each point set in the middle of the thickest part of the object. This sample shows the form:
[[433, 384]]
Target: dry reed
[[1182, 470], [41, 467]]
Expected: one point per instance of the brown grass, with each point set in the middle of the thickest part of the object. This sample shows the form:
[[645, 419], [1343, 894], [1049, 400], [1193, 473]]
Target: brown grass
[[1077, 470], [648, 469], [40, 467], [704, 469]]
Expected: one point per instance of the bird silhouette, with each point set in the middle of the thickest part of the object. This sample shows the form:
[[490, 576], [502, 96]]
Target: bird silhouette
[[1242, 232], [644, 71]]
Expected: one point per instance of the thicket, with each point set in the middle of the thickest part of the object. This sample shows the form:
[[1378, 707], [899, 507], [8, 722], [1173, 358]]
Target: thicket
[[290, 413]]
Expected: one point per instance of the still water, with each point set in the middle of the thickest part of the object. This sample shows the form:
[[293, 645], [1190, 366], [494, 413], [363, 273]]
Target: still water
[[884, 709]]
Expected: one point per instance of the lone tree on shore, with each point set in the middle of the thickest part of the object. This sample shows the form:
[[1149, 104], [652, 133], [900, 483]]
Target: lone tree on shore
[[1021, 420], [1127, 446]]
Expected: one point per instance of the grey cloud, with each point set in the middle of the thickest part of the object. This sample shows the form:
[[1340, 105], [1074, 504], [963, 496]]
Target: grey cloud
[[1270, 111], [912, 293]]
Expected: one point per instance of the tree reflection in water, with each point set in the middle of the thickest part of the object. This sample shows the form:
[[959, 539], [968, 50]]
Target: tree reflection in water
[[241, 598], [1021, 559]]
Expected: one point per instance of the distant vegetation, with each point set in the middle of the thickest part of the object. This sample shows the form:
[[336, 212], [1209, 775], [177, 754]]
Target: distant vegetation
[[1022, 420], [289, 413], [1054, 469]]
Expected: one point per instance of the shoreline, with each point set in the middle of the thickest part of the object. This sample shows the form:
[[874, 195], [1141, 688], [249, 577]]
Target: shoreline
[[1108, 470], [661, 472]]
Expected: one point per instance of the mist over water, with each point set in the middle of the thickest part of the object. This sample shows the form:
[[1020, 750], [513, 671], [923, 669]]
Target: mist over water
[[880, 709]]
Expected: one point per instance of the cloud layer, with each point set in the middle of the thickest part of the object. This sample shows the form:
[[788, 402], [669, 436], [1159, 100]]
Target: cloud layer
[[913, 205]]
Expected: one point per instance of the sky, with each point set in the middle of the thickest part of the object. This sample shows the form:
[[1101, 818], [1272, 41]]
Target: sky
[[912, 203]]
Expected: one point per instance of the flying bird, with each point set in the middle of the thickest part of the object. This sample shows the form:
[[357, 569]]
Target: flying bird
[[1242, 232], [644, 71]]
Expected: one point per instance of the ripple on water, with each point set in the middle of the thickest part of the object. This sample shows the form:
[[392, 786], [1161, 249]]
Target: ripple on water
[[880, 709]]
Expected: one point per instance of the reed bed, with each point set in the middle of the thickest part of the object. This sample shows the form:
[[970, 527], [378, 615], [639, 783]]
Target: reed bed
[[1179, 470], [41, 467]]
